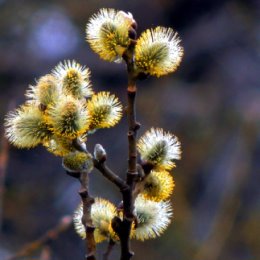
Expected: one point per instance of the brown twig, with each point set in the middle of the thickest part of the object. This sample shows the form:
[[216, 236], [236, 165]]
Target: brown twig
[[50, 235], [123, 227], [87, 202], [109, 174]]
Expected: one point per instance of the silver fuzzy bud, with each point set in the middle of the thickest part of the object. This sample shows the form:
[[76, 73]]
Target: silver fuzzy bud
[[100, 153]]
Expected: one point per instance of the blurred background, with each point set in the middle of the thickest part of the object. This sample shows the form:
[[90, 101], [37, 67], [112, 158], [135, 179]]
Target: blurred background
[[212, 103]]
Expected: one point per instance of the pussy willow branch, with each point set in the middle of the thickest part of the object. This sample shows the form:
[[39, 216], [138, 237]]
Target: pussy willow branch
[[135, 173], [142, 170], [123, 228]]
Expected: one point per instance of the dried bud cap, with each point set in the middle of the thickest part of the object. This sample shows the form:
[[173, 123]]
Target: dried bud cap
[[100, 153], [127, 16], [134, 25], [132, 34]]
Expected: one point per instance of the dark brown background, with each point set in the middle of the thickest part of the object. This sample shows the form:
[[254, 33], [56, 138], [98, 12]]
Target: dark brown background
[[212, 103]]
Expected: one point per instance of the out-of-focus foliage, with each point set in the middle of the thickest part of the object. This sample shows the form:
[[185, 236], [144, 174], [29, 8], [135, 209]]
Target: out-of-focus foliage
[[211, 103]]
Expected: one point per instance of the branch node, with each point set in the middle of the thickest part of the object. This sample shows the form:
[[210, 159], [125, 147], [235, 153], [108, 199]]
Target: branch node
[[130, 133], [140, 172], [83, 193], [137, 126], [90, 229], [147, 167], [125, 188], [132, 177], [80, 146]]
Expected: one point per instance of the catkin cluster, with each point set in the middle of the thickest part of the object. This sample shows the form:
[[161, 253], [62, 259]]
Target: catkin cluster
[[157, 51], [153, 209], [62, 110]]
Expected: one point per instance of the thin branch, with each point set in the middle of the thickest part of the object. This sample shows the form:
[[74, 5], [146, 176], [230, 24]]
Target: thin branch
[[109, 174], [50, 235], [87, 202], [130, 190]]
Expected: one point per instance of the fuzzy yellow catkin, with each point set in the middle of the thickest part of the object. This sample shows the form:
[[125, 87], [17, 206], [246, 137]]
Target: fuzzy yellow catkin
[[69, 117], [104, 109], [159, 148], [152, 218], [78, 161], [59, 146], [107, 33], [45, 92], [73, 79], [158, 51], [26, 127], [158, 186]]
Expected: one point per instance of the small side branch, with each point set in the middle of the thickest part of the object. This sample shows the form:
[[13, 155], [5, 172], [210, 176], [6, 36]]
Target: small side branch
[[109, 174]]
